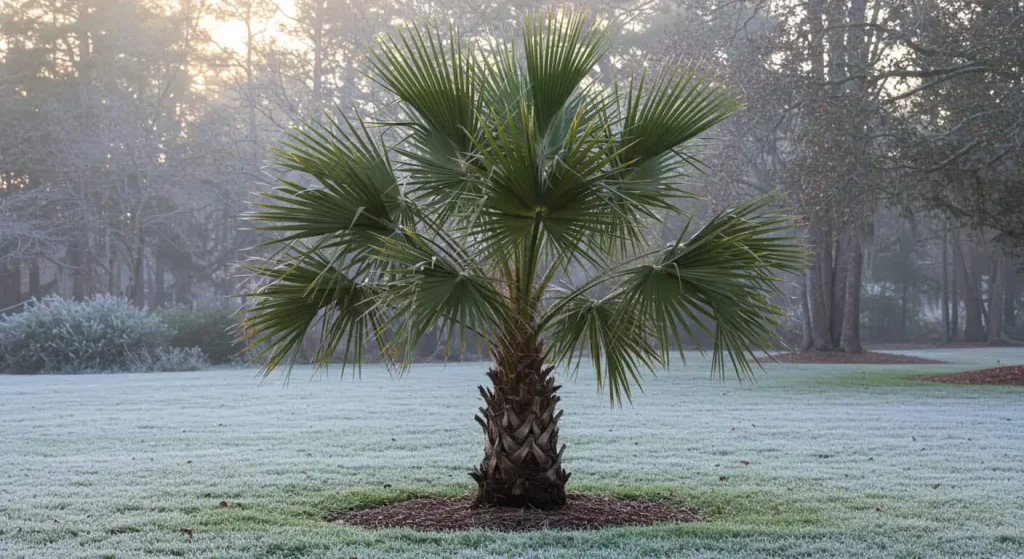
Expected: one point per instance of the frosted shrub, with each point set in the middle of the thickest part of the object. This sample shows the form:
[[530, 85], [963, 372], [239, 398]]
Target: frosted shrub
[[210, 329], [102, 333]]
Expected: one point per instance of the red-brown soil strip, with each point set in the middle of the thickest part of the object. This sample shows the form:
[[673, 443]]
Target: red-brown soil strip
[[859, 358], [454, 514], [1007, 376]]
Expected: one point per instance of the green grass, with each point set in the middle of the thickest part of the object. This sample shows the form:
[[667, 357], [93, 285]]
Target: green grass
[[843, 463]]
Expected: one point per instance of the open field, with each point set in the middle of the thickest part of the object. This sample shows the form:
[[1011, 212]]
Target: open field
[[845, 461]]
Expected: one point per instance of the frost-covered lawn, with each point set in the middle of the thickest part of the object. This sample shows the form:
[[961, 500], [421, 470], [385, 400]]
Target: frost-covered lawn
[[845, 461]]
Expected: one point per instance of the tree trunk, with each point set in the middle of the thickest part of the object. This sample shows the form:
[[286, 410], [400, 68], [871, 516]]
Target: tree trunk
[[35, 287], [807, 343], [819, 308], [84, 54], [318, 53], [183, 286], [139, 273], [851, 318], [954, 305], [816, 33], [903, 312], [159, 283], [10, 287], [114, 279], [250, 90], [838, 275], [1010, 306], [826, 244], [79, 269], [996, 303], [974, 331], [945, 284], [522, 465]]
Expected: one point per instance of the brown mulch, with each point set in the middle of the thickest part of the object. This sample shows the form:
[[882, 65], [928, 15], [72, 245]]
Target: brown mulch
[[1010, 376], [455, 514], [859, 358]]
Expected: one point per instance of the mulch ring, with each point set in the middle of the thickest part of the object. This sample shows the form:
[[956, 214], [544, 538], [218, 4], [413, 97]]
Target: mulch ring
[[858, 358], [455, 514], [1009, 376]]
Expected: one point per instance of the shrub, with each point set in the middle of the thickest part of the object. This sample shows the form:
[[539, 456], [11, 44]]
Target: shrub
[[211, 329], [102, 333]]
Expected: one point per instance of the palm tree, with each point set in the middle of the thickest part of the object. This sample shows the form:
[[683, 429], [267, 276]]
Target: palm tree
[[509, 168]]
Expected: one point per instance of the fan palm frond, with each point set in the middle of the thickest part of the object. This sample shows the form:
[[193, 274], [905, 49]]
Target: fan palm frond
[[304, 288], [615, 337], [658, 118], [719, 280], [507, 158], [355, 196]]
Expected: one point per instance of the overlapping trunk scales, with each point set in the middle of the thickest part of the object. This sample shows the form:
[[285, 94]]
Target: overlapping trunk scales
[[522, 465]]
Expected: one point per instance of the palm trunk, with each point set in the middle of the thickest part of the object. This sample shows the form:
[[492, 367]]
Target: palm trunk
[[522, 465]]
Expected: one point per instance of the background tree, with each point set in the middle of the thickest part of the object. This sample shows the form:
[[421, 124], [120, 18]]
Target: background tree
[[851, 106]]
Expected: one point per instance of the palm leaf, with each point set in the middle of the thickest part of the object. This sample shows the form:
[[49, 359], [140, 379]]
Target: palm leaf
[[510, 160], [436, 77], [436, 285], [657, 118], [561, 48], [303, 288], [356, 192], [722, 278], [614, 336]]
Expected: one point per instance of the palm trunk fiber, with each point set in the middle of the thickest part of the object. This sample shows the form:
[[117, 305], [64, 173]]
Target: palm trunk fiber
[[522, 465]]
